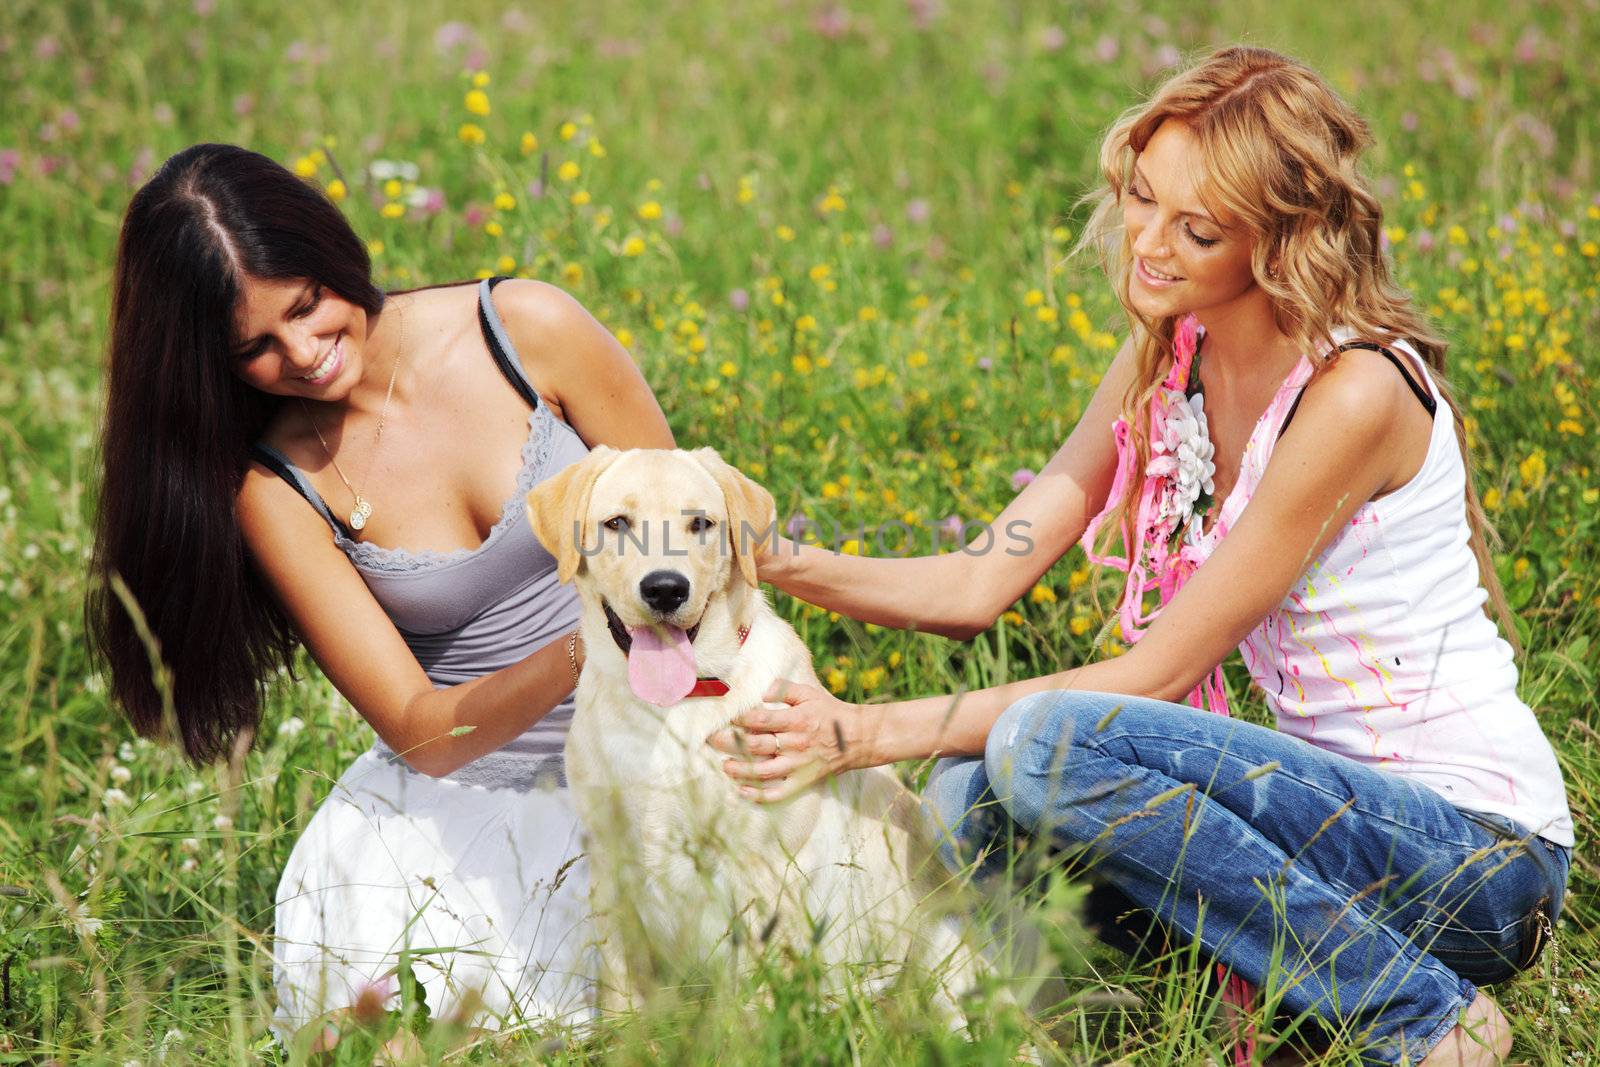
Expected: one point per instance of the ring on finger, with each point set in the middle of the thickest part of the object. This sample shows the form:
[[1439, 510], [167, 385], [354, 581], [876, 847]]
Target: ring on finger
[[777, 744]]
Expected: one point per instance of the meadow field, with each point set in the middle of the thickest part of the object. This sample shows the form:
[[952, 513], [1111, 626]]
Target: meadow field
[[834, 237]]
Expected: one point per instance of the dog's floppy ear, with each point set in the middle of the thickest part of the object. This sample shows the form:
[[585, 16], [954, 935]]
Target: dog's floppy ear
[[752, 516], [558, 506]]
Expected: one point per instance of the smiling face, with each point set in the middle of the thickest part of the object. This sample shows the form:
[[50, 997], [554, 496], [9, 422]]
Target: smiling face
[[294, 337], [1185, 257]]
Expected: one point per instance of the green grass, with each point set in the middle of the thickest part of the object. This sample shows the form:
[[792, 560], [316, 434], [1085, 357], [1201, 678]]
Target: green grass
[[893, 203]]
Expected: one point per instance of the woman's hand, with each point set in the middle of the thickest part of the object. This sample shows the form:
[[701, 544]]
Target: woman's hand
[[775, 753]]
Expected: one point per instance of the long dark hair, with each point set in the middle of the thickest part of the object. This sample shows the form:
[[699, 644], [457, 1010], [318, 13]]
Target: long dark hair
[[177, 435]]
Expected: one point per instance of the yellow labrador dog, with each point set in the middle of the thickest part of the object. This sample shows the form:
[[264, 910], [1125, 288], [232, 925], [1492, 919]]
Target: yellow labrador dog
[[680, 638]]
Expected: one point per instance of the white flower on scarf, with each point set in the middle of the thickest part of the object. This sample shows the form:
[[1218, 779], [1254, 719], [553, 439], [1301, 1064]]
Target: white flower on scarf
[[1181, 452]]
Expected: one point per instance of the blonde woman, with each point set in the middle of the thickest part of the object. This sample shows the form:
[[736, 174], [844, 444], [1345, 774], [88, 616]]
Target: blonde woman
[[1280, 452]]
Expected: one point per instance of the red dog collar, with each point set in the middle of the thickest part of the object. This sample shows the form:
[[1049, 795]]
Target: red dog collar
[[716, 687]]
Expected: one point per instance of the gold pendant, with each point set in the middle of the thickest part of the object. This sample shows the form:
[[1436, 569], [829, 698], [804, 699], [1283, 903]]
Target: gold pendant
[[360, 514]]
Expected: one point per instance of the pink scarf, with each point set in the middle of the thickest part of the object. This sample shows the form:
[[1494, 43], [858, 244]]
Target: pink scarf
[[1160, 559]]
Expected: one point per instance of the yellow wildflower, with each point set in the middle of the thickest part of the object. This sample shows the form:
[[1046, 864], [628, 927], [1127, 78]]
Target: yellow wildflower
[[305, 167], [471, 133], [835, 679], [785, 233], [477, 102], [1079, 625], [1013, 617], [579, 198], [1032, 298], [625, 338], [530, 144], [572, 273], [868, 314], [919, 358], [337, 191], [1532, 470], [727, 368], [819, 272], [650, 210], [505, 265], [1047, 315], [494, 229], [1042, 594], [393, 210], [568, 131], [504, 202], [633, 246], [569, 171]]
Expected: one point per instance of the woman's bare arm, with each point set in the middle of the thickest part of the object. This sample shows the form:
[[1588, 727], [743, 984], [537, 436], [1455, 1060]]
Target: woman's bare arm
[[960, 594]]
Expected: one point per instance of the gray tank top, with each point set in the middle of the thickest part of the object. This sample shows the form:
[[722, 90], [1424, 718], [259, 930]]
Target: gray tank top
[[470, 612]]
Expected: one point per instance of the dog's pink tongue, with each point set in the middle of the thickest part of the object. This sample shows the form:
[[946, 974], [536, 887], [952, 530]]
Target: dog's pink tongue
[[660, 664]]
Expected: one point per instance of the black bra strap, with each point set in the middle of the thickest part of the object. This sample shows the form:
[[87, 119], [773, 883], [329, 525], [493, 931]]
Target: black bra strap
[[1428, 402], [494, 333], [279, 464]]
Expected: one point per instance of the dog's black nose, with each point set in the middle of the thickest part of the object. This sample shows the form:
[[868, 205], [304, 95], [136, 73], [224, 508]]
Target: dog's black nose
[[664, 590]]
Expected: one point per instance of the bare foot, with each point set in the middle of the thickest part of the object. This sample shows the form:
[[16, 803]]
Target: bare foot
[[1481, 1039]]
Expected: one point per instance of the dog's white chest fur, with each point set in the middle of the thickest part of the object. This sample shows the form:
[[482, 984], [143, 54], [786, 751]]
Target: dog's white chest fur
[[646, 777]]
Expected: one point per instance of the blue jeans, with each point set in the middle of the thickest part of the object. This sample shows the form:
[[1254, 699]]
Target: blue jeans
[[1342, 892]]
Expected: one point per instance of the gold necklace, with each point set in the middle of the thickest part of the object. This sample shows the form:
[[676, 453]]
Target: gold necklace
[[363, 507]]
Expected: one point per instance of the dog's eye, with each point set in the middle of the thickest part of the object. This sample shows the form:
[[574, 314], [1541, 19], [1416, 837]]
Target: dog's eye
[[616, 522], [700, 524]]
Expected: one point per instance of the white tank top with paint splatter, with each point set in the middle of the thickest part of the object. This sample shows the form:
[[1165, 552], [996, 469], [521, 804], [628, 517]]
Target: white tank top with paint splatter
[[1382, 652]]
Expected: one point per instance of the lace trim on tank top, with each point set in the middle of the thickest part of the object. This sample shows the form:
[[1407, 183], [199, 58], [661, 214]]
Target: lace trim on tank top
[[536, 451]]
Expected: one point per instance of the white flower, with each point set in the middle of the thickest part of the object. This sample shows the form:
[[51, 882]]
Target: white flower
[[291, 726], [384, 169], [1181, 452], [125, 752], [222, 822], [120, 774], [194, 788], [190, 845], [115, 798], [189, 866], [88, 926]]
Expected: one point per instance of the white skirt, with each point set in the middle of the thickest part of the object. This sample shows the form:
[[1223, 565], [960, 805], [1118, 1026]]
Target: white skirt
[[487, 885]]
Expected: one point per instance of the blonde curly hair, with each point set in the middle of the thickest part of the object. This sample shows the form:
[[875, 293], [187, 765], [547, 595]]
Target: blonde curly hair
[[1279, 149]]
